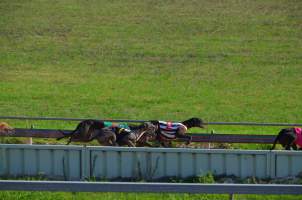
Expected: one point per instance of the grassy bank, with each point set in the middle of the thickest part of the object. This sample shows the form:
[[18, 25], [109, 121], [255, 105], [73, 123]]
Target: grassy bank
[[219, 60], [127, 196]]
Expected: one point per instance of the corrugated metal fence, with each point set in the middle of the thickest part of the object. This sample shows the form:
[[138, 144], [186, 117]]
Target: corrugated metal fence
[[80, 162]]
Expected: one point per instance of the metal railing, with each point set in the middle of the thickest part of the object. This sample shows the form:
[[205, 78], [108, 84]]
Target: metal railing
[[196, 137], [193, 188]]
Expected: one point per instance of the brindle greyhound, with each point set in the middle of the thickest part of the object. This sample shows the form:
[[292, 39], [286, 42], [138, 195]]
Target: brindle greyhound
[[89, 130], [169, 131], [137, 135]]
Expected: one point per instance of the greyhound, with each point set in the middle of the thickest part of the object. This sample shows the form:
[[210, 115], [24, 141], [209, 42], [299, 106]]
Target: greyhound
[[289, 138], [85, 131], [110, 134], [169, 131], [136, 135]]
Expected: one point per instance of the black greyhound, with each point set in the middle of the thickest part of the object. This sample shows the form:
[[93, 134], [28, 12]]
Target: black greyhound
[[288, 138], [85, 131], [169, 131]]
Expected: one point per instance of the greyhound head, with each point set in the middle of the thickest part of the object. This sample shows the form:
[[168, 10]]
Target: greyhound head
[[150, 129], [193, 122]]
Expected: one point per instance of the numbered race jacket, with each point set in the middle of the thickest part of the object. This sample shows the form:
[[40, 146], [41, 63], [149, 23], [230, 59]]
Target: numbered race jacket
[[168, 130], [118, 128], [298, 140]]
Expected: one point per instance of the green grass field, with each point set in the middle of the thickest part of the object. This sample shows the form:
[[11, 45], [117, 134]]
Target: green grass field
[[219, 60], [171, 60], [126, 196]]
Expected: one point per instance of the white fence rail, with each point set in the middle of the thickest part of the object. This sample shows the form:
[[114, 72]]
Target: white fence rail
[[73, 186], [61, 162]]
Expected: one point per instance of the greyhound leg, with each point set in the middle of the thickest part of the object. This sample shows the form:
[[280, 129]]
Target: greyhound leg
[[287, 147], [69, 141], [186, 137], [65, 134], [143, 144], [59, 138], [112, 141], [166, 144], [130, 143], [294, 146], [148, 144]]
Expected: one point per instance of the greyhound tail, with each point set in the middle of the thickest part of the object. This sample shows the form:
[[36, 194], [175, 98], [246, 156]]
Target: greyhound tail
[[65, 135], [276, 140]]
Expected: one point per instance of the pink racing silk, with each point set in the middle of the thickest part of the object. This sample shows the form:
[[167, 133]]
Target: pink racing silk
[[298, 132]]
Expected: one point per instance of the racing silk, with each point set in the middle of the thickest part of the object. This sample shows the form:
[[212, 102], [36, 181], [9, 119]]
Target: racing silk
[[118, 127], [169, 129], [298, 140]]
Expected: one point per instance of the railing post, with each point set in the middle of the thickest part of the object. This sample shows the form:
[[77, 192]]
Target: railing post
[[29, 140], [272, 164], [85, 162]]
